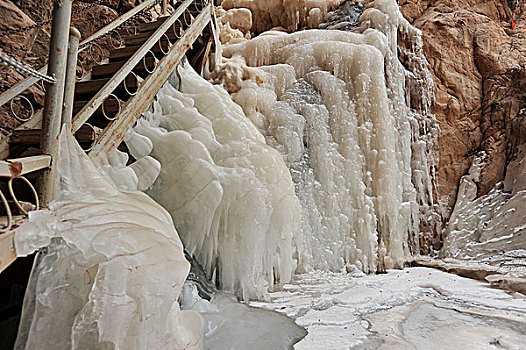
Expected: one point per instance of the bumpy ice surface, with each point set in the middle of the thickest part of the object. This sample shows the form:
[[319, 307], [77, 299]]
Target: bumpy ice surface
[[112, 270]]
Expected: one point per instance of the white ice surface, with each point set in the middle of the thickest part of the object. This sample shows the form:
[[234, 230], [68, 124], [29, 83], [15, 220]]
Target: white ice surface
[[491, 229], [352, 124], [231, 195], [415, 308]]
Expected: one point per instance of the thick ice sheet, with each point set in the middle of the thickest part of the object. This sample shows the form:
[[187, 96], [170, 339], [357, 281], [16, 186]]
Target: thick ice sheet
[[111, 271], [416, 308]]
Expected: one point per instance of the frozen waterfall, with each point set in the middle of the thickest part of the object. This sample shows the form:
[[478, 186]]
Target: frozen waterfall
[[350, 117], [317, 152], [342, 111], [112, 268], [230, 195]]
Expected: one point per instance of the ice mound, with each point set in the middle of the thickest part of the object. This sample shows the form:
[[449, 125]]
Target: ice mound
[[111, 271], [349, 115], [491, 229], [230, 195]]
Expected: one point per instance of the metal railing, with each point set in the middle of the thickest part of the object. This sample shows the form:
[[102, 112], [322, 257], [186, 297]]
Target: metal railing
[[113, 134], [185, 29], [108, 30], [175, 23], [16, 169]]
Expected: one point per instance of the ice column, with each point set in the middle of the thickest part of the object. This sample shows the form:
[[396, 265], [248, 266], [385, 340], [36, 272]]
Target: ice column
[[352, 124]]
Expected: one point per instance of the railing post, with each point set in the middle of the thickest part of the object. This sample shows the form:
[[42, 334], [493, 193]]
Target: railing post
[[164, 7], [51, 117], [71, 75]]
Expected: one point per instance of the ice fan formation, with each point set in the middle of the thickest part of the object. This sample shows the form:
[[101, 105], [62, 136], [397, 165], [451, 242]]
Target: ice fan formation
[[350, 118], [230, 195]]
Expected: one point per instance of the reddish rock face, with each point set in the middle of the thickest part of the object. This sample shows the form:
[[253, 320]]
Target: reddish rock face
[[12, 18], [37, 43], [478, 63]]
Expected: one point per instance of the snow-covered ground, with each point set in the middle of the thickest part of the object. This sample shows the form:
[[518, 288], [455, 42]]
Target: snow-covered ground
[[415, 308]]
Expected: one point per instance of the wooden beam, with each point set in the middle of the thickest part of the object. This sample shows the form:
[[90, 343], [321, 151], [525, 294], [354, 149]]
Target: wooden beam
[[21, 166], [7, 250], [32, 137]]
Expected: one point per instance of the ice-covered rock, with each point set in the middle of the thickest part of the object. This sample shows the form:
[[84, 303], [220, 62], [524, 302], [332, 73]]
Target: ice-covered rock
[[491, 229]]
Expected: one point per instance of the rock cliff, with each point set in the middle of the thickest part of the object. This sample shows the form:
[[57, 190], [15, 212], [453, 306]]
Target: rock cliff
[[478, 62]]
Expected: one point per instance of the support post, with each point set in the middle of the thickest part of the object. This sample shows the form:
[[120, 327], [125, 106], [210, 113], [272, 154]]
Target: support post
[[71, 74], [164, 7], [52, 114]]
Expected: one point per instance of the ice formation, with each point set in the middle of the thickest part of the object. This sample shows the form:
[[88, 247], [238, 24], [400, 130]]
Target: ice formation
[[112, 268], [230, 195], [352, 124], [289, 14], [491, 229]]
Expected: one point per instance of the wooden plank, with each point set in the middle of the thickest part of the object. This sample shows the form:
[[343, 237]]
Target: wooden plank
[[93, 86], [141, 38], [151, 26], [22, 166], [32, 137], [111, 107], [106, 70], [7, 250], [128, 51]]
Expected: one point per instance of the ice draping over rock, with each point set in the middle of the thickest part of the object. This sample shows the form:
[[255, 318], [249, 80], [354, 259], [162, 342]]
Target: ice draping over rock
[[112, 270], [288, 14], [491, 229], [230, 195], [352, 124]]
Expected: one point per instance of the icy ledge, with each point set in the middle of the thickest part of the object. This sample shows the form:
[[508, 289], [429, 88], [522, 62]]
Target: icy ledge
[[490, 230], [112, 270]]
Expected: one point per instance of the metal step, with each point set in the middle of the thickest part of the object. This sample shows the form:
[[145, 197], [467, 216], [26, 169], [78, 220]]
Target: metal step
[[109, 69], [32, 137], [91, 87]]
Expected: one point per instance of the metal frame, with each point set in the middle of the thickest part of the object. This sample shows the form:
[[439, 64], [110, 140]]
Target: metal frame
[[132, 110], [53, 102], [25, 84], [71, 75], [90, 108]]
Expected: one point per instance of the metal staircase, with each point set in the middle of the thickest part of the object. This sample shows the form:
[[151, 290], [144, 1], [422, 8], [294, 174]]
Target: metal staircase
[[105, 103]]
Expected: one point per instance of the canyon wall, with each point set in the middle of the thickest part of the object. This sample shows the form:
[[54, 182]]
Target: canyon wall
[[478, 64]]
